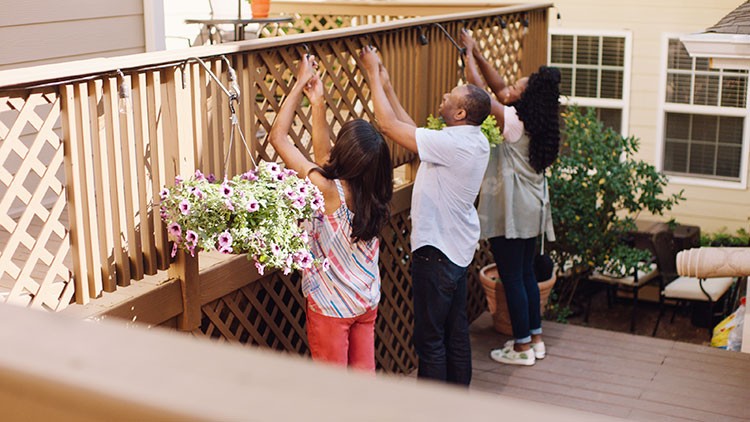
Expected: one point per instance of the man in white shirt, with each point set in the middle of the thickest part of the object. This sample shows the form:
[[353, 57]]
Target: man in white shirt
[[445, 225]]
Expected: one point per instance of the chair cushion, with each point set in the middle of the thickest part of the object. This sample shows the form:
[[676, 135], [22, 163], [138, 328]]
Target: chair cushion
[[688, 288], [643, 277]]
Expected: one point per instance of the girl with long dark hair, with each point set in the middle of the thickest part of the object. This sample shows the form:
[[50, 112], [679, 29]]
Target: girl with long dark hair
[[355, 177], [513, 202]]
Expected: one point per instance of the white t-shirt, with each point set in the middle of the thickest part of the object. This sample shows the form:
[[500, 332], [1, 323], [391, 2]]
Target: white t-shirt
[[453, 162]]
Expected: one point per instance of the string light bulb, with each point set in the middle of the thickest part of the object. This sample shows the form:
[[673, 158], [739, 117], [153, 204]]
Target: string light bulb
[[124, 103]]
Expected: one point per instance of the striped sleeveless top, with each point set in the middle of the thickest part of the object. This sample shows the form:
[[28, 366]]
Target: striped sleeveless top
[[349, 285]]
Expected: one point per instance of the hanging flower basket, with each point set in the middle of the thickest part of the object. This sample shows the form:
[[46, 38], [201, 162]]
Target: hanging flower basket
[[259, 213]]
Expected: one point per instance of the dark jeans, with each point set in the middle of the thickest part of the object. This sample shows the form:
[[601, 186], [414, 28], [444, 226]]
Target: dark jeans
[[441, 327], [515, 265]]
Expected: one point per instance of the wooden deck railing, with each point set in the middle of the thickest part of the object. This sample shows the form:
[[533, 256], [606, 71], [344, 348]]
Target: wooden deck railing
[[79, 182]]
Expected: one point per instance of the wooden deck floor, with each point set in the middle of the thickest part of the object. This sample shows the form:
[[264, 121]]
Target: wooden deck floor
[[621, 375]]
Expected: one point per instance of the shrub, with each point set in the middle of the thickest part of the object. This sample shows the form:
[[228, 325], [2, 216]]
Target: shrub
[[597, 189]]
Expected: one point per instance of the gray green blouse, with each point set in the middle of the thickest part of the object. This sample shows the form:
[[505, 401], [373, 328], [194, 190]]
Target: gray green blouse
[[511, 196]]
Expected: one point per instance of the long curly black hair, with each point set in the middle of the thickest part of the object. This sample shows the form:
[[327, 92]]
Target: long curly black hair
[[539, 110]]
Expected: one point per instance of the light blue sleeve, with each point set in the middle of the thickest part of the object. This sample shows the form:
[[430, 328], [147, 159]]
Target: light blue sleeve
[[435, 146]]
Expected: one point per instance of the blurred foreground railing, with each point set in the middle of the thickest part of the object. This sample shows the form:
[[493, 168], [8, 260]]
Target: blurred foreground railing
[[115, 373], [80, 177]]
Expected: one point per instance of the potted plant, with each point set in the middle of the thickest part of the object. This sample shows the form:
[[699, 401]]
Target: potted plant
[[259, 213], [260, 8], [496, 302], [597, 189]]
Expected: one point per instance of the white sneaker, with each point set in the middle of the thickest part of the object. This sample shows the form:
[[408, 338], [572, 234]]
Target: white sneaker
[[509, 356], [540, 351]]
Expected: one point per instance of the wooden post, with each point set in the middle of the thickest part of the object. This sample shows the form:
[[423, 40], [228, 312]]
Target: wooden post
[[185, 268], [535, 42]]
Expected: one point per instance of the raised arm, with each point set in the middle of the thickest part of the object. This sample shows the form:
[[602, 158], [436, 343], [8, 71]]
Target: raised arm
[[321, 137], [472, 71], [403, 133], [401, 114], [293, 158], [491, 75]]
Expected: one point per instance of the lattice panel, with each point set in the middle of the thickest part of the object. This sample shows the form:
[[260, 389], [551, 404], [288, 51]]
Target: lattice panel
[[269, 313], [477, 301], [502, 47], [321, 22], [34, 248]]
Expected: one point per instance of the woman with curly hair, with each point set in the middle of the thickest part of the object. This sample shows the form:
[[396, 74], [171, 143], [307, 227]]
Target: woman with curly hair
[[513, 198]]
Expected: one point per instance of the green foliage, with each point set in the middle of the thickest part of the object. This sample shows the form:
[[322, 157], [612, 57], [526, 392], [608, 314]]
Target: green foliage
[[489, 128], [722, 238], [597, 188], [556, 311]]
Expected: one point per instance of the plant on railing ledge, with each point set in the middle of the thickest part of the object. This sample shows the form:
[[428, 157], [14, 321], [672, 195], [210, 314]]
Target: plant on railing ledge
[[597, 188], [259, 213], [489, 128]]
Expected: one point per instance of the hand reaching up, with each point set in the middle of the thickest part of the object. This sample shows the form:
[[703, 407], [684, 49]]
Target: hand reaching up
[[370, 60], [469, 43], [306, 68], [314, 90]]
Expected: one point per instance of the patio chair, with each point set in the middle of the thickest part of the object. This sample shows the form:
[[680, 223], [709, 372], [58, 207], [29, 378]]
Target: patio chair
[[695, 290], [684, 289]]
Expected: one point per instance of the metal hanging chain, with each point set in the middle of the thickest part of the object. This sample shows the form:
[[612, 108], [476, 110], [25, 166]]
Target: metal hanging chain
[[233, 93], [235, 127]]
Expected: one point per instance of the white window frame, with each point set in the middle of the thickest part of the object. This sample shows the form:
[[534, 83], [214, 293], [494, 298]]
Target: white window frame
[[664, 107], [622, 104]]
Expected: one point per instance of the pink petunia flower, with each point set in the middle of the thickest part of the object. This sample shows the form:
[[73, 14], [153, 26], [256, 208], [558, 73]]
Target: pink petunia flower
[[174, 229], [228, 203], [225, 239], [316, 203], [299, 203], [178, 180], [275, 249], [281, 176], [185, 207], [164, 194], [198, 193], [226, 190], [273, 168], [303, 259], [191, 237], [226, 249], [211, 178], [326, 264], [251, 176], [252, 205], [199, 176], [174, 250], [261, 269]]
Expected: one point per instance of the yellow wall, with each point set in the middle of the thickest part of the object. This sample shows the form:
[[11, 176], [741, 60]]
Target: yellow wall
[[35, 32], [709, 207]]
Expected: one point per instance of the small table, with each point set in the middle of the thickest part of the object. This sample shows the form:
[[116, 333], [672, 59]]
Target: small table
[[240, 24]]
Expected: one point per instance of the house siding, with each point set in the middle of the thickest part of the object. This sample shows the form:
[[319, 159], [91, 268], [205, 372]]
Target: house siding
[[43, 32], [711, 208]]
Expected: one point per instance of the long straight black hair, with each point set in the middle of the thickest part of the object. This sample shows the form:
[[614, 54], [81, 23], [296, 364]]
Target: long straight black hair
[[361, 156]]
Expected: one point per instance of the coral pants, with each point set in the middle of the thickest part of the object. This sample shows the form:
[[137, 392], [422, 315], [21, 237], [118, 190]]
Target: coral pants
[[343, 341]]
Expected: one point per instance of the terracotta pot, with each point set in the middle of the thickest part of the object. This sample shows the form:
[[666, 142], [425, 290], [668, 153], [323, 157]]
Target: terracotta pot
[[260, 8], [495, 292]]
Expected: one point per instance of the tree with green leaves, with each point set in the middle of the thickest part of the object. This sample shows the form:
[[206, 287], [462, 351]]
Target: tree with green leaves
[[597, 189]]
